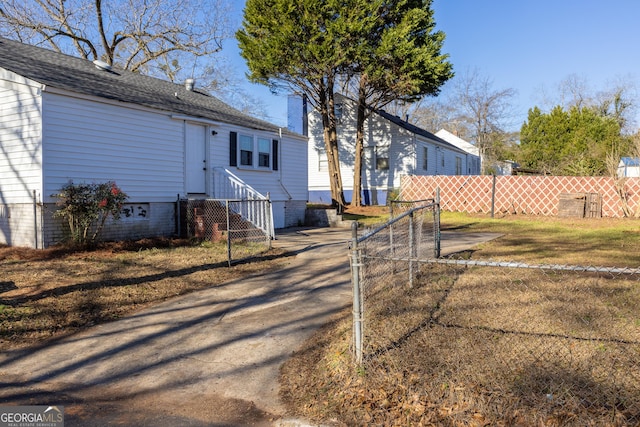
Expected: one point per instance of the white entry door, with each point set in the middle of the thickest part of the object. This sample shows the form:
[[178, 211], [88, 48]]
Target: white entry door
[[196, 154]]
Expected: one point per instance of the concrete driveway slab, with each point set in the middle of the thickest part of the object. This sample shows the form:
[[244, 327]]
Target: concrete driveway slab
[[208, 358]]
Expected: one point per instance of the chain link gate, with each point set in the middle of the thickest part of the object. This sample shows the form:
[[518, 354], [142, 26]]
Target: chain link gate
[[510, 342], [243, 227], [393, 250]]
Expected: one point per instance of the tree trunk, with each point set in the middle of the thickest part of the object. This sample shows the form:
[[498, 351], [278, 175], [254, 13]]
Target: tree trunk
[[356, 199], [331, 145]]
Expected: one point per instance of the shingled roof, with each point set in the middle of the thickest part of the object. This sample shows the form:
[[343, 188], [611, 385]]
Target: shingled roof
[[418, 131], [82, 76]]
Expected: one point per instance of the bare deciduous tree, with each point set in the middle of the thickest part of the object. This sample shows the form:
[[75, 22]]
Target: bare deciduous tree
[[621, 182], [432, 114], [473, 109], [150, 36], [486, 110], [617, 99]]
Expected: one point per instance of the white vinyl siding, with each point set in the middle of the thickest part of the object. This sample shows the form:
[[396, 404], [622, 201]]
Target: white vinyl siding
[[287, 183], [20, 136], [95, 142], [388, 153], [391, 151], [50, 138]]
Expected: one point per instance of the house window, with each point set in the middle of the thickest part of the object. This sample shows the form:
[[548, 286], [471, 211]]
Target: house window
[[323, 162], [382, 158], [458, 166], [425, 158], [338, 109], [382, 163], [246, 150], [264, 152]]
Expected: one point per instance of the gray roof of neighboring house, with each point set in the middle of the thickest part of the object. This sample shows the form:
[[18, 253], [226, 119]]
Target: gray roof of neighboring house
[[416, 130], [630, 161], [79, 75]]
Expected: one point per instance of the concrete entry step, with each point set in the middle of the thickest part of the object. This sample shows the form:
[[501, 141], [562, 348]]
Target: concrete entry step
[[325, 217]]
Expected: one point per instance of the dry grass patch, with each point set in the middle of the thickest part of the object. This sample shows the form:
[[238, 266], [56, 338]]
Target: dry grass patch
[[486, 346], [49, 293], [480, 347], [533, 239]]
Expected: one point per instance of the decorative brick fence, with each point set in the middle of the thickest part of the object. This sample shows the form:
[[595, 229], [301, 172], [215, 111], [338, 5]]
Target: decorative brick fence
[[532, 195]]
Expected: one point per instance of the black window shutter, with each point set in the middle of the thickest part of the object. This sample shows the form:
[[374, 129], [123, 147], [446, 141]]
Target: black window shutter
[[275, 154], [233, 149]]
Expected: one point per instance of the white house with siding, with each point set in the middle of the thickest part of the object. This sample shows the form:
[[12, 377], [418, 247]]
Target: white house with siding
[[393, 148], [458, 142], [629, 167], [67, 119]]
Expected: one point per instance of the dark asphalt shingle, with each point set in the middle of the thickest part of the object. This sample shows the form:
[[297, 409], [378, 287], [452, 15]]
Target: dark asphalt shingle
[[82, 76]]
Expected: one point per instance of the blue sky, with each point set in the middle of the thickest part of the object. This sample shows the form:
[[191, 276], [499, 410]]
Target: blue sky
[[526, 45]]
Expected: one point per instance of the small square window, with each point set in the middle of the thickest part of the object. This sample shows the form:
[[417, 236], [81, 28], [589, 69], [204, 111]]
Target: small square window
[[382, 158], [338, 110], [382, 163]]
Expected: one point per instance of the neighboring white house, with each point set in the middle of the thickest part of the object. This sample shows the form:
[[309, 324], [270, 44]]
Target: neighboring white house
[[393, 148], [629, 167], [67, 119], [473, 166], [499, 167]]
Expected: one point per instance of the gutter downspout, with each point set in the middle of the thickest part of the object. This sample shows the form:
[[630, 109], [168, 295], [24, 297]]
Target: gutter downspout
[[280, 163], [35, 219], [415, 155]]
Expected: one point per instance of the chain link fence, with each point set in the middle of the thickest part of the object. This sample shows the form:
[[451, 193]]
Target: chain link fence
[[494, 343], [398, 207], [390, 251], [243, 228]]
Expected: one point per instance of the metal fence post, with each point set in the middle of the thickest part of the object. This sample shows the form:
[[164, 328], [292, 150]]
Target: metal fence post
[[493, 196], [412, 248], [178, 217], [270, 234], [357, 303], [391, 244], [228, 233], [436, 225], [35, 219]]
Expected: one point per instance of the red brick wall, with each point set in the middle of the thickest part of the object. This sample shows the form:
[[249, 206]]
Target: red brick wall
[[533, 195]]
